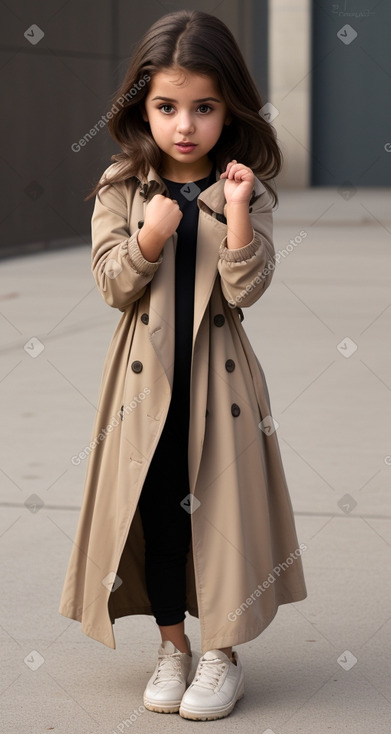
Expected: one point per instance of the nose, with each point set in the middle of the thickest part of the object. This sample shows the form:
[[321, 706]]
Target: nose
[[185, 124]]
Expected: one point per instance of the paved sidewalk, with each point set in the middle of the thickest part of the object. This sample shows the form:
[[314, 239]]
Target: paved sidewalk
[[321, 333]]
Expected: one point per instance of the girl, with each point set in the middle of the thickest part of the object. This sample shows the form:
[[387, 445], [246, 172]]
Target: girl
[[185, 503]]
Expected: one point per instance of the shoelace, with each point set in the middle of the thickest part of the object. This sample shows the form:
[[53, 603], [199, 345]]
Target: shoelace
[[169, 668], [209, 673]]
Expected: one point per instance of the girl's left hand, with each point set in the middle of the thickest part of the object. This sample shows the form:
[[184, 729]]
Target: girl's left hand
[[239, 184]]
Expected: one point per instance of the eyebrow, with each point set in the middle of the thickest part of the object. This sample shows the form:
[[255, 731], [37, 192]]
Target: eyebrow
[[204, 99]]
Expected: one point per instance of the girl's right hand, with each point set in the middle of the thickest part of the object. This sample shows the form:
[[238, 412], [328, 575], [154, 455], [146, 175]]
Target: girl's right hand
[[162, 216]]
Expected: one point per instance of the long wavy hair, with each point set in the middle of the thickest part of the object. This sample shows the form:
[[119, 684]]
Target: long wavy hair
[[193, 41]]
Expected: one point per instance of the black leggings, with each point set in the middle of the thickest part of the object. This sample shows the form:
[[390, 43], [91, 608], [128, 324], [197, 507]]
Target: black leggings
[[166, 524]]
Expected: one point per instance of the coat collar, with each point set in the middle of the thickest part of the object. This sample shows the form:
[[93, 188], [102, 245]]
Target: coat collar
[[213, 196]]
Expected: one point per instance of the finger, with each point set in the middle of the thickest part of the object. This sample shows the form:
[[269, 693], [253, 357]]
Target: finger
[[241, 173], [234, 167], [231, 164], [235, 172]]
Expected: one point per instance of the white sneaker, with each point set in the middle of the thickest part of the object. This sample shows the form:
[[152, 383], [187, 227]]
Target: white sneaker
[[217, 685], [172, 674]]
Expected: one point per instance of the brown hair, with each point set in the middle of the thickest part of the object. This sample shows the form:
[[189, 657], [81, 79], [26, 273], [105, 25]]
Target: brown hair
[[194, 41]]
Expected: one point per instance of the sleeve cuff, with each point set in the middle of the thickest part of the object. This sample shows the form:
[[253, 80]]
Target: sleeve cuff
[[137, 259], [239, 254]]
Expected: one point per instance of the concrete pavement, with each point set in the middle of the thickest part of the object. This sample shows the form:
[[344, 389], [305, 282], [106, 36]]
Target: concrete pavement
[[321, 333]]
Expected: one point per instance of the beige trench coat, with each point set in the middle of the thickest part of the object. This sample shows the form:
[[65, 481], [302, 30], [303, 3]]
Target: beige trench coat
[[244, 558]]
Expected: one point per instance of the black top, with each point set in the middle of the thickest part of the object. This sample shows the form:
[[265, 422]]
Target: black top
[[185, 260]]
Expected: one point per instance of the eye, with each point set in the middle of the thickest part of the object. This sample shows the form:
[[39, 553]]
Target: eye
[[205, 107], [165, 105]]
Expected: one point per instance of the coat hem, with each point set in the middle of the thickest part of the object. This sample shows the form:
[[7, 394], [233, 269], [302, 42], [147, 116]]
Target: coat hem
[[75, 613], [126, 611], [106, 638], [250, 633]]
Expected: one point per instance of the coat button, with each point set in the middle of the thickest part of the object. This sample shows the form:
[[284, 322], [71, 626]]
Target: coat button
[[230, 365], [137, 366], [145, 318], [235, 410], [219, 319], [140, 224]]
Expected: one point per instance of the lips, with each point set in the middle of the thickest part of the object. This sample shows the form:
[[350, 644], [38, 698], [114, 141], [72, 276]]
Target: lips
[[186, 144]]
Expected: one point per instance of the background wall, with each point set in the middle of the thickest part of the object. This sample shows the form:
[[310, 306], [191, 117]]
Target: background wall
[[60, 65], [351, 99], [324, 66], [289, 86]]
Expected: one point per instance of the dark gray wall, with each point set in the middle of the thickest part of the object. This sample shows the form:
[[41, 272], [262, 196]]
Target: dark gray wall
[[351, 93], [58, 88]]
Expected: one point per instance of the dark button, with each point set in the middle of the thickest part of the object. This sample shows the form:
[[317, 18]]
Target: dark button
[[140, 224], [137, 366], [219, 319], [145, 318], [235, 410], [241, 315], [230, 365]]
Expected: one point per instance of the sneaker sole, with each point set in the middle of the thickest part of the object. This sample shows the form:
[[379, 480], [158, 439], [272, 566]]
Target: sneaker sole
[[162, 708], [212, 715]]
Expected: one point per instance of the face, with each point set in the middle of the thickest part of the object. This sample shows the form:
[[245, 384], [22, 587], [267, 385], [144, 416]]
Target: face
[[185, 107]]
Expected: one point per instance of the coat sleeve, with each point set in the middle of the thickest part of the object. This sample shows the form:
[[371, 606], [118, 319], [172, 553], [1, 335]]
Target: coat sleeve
[[246, 272], [120, 270]]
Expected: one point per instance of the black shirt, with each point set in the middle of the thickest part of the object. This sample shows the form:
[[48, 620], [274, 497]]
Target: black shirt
[[185, 260]]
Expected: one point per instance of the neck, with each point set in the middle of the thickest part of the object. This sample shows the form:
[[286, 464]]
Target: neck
[[183, 173]]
